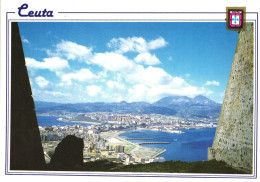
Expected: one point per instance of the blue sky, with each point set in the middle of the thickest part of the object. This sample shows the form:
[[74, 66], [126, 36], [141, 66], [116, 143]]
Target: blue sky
[[73, 62]]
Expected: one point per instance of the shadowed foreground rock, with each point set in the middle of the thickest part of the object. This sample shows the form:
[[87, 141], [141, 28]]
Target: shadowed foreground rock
[[26, 151], [68, 154]]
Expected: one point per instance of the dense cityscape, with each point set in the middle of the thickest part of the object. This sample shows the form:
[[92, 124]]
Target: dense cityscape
[[102, 137]]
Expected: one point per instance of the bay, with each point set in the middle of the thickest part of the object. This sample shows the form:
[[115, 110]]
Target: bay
[[189, 146], [52, 120]]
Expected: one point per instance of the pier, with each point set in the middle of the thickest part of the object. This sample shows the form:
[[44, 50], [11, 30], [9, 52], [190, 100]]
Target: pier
[[153, 143], [140, 139]]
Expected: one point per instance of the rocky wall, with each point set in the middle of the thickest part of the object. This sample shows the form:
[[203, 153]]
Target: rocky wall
[[233, 142]]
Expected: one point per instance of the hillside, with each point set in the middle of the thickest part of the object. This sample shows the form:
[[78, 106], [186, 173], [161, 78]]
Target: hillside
[[183, 106], [209, 167], [182, 167], [199, 106]]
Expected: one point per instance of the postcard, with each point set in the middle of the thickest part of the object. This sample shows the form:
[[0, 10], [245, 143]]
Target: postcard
[[112, 90]]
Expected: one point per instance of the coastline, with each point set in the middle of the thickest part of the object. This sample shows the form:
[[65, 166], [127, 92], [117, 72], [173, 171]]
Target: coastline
[[147, 129], [87, 122], [155, 155], [164, 150], [131, 147], [66, 121]]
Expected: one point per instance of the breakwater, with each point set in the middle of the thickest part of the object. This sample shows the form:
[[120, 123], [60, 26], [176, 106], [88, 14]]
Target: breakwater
[[153, 143], [190, 146], [140, 139]]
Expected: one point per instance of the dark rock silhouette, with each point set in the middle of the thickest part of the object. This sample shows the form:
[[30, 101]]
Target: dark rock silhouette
[[26, 151], [68, 154]]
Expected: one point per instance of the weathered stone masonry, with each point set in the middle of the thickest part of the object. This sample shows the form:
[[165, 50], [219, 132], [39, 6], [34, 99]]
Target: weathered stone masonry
[[233, 141]]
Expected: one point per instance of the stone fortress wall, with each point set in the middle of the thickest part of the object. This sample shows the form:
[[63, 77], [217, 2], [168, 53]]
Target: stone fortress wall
[[233, 142]]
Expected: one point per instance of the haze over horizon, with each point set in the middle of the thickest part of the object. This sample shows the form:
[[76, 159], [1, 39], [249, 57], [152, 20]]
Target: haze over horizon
[[113, 61], [125, 101]]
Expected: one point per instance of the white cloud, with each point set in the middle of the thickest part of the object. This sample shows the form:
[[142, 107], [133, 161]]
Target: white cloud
[[41, 82], [215, 83], [138, 93], [93, 90], [56, 93], [122, 45], [135, 44], [50, 96], [122, 77], [150, 76], [147, 59], [115, 85], [157, 43], [153, 83], [112, 61], [24, 40], [142, 92], [71, 51], [52, 64], [83, 75]]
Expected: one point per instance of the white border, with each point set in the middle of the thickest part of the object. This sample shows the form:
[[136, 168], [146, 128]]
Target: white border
[[113, 16]]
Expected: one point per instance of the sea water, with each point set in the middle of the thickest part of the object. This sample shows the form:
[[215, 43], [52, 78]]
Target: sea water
[[189, 146], [52, 120]]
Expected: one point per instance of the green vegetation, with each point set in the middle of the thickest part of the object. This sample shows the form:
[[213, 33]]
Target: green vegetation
[[182, 167], [50, 153], [99, 165], [211, 167]]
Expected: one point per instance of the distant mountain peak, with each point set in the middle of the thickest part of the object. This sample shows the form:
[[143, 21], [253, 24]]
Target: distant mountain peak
[[183, 100], [199, 106], [123, 102], [203, 100], [173, 99], [201, 97]]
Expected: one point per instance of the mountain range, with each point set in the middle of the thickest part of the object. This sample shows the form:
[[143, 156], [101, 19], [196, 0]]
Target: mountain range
[[199, 106]]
